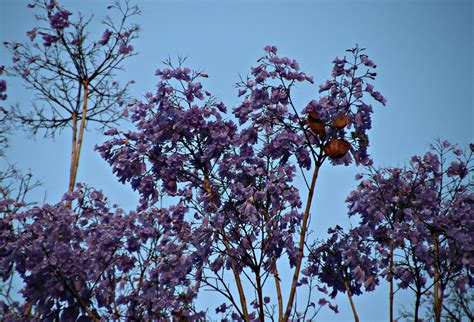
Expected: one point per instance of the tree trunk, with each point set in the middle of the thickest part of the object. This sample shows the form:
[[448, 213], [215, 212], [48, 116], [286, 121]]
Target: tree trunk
[[304, 227], [349, 295]]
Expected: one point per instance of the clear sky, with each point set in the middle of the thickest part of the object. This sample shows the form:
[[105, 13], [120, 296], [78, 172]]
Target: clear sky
[[423, 49]]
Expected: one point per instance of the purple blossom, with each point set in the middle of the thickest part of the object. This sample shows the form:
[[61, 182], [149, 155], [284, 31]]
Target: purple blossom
[[271, 49], [48, 39], [60, 20], [366, 61], [105, 37], [92, 255], [125, 49], [409, 208]]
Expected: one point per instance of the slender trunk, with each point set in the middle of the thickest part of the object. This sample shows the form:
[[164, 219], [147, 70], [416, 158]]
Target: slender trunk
[[238, 282], [81, 135], [278, 289], [440, 300], [261, 313], [73, 150], [301, 244], [349, 295], [75, 153], [437, 308], [417, 304], [390, 272]]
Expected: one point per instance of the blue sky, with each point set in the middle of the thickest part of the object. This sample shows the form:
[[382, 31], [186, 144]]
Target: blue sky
[[423, 49]]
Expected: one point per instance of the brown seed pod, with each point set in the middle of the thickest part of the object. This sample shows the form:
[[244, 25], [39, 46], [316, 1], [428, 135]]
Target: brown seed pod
[[318, 127], [315, 124], [340, 121], [336, 148]]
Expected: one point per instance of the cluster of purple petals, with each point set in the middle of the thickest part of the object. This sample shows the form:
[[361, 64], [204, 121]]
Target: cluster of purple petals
[[105, 37], [58, 19], [267, 103], [343, 260], [407, 209], [183, 146], [125, 49], [175, 142], [120, 265]]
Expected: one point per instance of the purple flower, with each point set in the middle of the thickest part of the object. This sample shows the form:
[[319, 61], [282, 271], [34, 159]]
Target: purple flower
[[326, 86], [105, 37], [60, 20], [322, 302], [367, 62], [125, 50], [377, 96], [333, 307], [48, 39], [271, 49]]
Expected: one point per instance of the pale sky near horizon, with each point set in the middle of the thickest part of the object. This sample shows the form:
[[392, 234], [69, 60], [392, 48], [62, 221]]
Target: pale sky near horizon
[[423, 49]]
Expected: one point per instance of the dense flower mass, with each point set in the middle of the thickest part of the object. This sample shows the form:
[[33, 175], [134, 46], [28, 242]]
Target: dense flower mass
[[416, 220], [219, 205], [236, 209], [112, 264], [184, 143], [344, 262]]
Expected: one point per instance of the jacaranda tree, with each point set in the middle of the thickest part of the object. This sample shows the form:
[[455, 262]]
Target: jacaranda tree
[[72, 72], [235, 182], [415, 228], [236, 208], [233, 218]]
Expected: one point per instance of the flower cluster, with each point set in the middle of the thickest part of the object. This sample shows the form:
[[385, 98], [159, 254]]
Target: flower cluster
[[323, 128], [236, 208], [340, 119], [94, 261], [432, 197], [417, 221], [241, 189], [344, 262], [58, 19]]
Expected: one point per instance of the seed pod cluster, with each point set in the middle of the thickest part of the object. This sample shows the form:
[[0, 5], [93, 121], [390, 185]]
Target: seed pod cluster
[[335, 148]]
